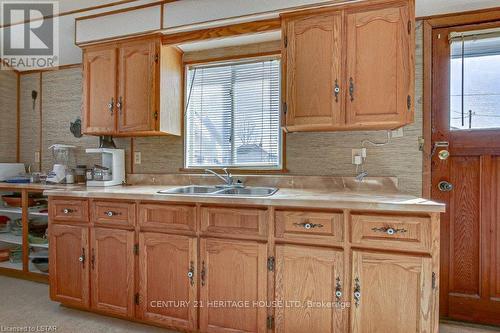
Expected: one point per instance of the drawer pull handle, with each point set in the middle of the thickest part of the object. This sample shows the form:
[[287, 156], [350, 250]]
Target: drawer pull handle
[[338, 289], [82, 258], [357, 292], [190, 274], [308, 225], [111, 213], [67, 211], [389, 230]]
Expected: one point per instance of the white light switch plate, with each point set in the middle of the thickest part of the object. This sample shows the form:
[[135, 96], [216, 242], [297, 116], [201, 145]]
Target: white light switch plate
[[137, 157]]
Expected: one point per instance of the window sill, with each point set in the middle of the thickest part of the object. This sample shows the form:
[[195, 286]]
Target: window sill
[[238, 171]]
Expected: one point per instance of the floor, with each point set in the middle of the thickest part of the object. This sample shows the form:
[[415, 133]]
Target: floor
[[25, 303]]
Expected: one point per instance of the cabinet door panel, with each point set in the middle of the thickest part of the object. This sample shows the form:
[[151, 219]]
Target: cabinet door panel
[[309, 274], [112, 266], [137, 87], [234, 271], [396, 293], [69, 267], [164, 264], [313, 64], [379, 65], [99, 90]]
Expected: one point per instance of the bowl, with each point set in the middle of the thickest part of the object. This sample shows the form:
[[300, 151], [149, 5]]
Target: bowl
[[41, 263], [15, 200]]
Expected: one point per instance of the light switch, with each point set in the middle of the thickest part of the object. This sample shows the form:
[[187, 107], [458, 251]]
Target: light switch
[[137, 157]]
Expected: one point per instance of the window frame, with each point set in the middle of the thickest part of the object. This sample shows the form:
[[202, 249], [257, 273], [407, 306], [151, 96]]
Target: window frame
[[228, 60]]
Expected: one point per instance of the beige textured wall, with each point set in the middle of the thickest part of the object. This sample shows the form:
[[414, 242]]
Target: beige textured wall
[[8, 116], [29, 136]]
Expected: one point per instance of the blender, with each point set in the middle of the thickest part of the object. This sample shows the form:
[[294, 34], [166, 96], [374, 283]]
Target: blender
[[61, 155]]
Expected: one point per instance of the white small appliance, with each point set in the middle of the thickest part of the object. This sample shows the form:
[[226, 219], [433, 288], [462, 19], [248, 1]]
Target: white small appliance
[[112, 160], [9, 170], [61, 155]]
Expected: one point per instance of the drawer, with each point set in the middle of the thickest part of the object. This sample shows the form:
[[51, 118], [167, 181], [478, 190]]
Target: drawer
[[310, 226], [174, 218], [113, 213], [236, 222], [69, 210], [392, 231]]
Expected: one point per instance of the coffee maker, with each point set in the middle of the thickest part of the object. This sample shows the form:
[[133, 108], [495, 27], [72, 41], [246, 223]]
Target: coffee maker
[[112, 168], [62, 155]]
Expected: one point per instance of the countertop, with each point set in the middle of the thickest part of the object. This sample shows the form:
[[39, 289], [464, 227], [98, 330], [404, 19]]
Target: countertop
[[285, 197], [35, 186]]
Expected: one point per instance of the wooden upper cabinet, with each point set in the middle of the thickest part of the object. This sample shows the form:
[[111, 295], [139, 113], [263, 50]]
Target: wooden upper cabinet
[[312, 274], [313, 58], [99, 90], [168, 273], [395, 293], [69, 265], [380, 67], [112, 271], [232, 270], [137, 109]]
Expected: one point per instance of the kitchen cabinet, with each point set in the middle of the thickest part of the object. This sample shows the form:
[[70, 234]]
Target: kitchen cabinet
[[132, 88], [69, 264], [168, 272], [314, 275], [349, 67], [112, 271], [391, 293], [232, 271]]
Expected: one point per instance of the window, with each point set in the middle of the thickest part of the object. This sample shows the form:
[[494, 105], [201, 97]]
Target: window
[[475, 80], [233, 115]]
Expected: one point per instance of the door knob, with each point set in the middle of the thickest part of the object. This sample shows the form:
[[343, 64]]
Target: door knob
[[445, 186]]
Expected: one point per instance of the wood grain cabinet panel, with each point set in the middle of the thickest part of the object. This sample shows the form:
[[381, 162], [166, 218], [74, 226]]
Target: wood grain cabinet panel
[[69, 265], [69, 210], [113, 213], [236, 222], [99, 90], [314, 275], [232, 271], [309, 226], [168, 280], [392, 232], [137, 108], [313, 53], [391, 293], [380, 61], [112, 271], [167, 217]]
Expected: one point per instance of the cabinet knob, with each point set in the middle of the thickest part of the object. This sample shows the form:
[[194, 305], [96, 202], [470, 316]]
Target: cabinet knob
[[190, 274], [445, 186], [111, 213], [336, 90], [119, 105], [67, 210], [351, 88], [390, 230], [357, 292], [338, 289], [82, 257], [308, 225], [111, 105]]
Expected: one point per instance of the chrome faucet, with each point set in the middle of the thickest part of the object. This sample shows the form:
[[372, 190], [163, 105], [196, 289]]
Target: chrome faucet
[[227, 178], [361, 176]]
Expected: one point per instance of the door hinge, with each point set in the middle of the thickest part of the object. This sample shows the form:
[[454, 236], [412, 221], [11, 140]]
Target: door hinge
[[408, 102], [157, 57], [136, 249], [270, 264], [409, 27], [285, 108], [286, 41], [433, 280], [136, 298], [155, 114], [270, 322]]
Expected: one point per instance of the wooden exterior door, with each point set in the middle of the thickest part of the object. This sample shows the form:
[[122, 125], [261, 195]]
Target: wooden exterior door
[[470, 228], [168, 279], [136, 106], [99, 90], [395, 293], [380, 67], [309, 274], [69, 265], [232, 271], [312, 63], [112, 271]]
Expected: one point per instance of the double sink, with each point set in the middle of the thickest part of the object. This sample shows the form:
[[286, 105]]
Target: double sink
[[233, 191]]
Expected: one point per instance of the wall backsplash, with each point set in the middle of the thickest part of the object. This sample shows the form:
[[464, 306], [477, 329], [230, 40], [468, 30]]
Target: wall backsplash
[[320, 154], [8, 116]]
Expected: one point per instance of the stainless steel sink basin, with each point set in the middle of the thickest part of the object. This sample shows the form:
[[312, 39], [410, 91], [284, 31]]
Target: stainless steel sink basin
[[199, 190]]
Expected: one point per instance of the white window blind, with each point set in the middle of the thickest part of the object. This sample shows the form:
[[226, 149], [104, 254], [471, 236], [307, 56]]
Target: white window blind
[[233, 115]]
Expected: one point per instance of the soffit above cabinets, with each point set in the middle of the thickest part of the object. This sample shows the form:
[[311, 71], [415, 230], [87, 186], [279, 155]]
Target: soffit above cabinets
[[232, 41]]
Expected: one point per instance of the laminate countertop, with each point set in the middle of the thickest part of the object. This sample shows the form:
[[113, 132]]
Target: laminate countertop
[[285, 197]]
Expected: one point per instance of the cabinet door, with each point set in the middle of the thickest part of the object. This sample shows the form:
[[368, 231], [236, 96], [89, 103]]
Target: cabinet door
[[99, 90], [167, 280], [309, 274], [380, 71], [69, 265], [136, 98], [313, 72], [395, 293], [112, 266], [232, 271]]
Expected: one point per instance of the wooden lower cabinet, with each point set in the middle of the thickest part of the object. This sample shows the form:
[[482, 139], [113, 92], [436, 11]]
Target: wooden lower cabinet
[[69, 267], [395, 293], [168, 279], [312, 276], [232, 271], [112, 271]]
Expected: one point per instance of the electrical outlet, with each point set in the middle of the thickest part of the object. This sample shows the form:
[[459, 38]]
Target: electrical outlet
[[137, 157], [37, 156], [358, 152], [398, 133]]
